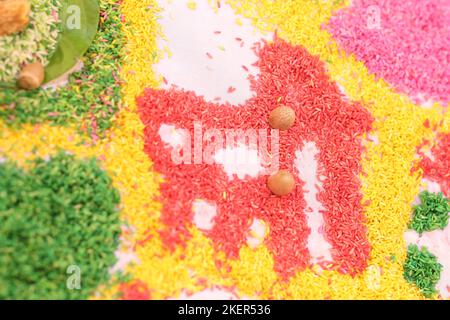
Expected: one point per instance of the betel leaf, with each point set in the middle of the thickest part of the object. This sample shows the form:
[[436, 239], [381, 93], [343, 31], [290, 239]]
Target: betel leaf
[[79, 19]]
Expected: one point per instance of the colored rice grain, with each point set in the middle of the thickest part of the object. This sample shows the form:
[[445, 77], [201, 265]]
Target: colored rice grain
[[388, 163], [323, 116], [59, 228], [422, 269], [437, 168], [120, 150], [407, 43], [432, 213], [388, 185], [135, 290], [389, 188]]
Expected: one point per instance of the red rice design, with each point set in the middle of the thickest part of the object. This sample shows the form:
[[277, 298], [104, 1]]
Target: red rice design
[[291, 76]]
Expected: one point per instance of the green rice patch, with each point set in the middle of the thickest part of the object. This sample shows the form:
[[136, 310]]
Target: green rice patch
[[58, 220], [431, 214], [422, 269]]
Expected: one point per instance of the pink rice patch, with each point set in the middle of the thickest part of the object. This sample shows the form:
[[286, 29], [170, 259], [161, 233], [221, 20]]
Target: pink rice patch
[[405, 42]]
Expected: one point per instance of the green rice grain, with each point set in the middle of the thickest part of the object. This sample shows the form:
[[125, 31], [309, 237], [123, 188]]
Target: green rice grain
[[60, 214], [431, 214], [422, 269]]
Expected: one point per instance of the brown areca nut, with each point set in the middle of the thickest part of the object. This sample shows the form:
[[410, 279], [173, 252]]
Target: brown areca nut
[[281, 183], [31, 76], [282, 118], [14, 16]]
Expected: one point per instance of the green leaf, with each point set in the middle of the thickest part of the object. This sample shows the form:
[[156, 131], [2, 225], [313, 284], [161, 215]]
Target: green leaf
[[77, 34]]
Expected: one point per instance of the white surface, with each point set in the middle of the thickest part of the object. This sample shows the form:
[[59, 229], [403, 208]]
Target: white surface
[[240, 161], [373, 138], [204, 213], [257, 233], [63, 80], [123, 259], [172, 136], [202, 59], [306, 164], [432, 186]]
